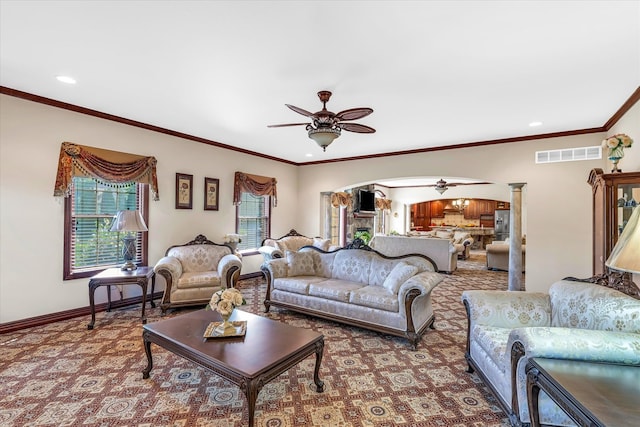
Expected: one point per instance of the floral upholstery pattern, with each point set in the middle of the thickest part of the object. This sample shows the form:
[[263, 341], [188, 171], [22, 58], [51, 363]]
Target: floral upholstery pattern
[[353, 267], [277, 248], [195, 270], [400, 273], [300, 264], [196, 258], [575, 321], [577, 306]]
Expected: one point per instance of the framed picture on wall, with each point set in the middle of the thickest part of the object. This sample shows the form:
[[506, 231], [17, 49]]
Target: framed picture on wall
[[184, 191], [211, 190]]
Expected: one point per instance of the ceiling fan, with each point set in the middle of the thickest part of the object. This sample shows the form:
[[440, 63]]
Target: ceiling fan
[[325, 125], [441, 185]]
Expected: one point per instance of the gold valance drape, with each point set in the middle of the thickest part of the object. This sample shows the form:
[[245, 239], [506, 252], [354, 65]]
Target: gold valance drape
[[106, 166], [254, 184], [341, 199], [383, 204]]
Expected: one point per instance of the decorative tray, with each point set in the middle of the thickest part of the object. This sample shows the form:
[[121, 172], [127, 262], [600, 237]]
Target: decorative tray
[[238, 330]]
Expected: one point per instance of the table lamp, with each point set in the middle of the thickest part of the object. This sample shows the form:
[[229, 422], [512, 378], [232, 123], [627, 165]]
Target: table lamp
[[129, 222], [625, 256]]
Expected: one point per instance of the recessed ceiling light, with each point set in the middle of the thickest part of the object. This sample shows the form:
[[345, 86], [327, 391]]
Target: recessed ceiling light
[[534, 124], [309, 155], [66, 79]]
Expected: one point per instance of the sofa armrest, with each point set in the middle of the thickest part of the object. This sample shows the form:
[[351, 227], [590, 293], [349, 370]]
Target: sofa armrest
[[565, 343], [227, 266], [169, 265], [423, 282], [276, 268], [468, 241], [507, 309], [578, 344], [270, 252]]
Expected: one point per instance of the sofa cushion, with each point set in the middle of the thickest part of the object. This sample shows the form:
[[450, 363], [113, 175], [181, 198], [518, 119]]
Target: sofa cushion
[[198, 280], [398, 275], [198, 258], [352, 266], [300, 264], [322, 244], [578, 305], [337, 290], [296, 285], [380, 269], [375, 297]]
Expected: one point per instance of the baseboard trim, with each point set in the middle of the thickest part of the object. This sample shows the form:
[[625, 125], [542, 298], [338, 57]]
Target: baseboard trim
[[84, 311]]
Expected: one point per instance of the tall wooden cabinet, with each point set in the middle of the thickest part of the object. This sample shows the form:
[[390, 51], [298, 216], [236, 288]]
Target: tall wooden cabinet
[[614, 197]]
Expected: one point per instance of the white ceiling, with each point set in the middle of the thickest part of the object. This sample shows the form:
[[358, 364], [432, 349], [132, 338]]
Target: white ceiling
[[435, 73]]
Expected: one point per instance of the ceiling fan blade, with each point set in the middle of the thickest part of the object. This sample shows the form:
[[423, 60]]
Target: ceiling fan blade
[[354, 127], [353, 113], [286, 124], [299, 110]]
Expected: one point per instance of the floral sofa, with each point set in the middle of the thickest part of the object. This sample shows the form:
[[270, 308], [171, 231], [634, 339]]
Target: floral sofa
[[575, 321], [292, 241], [195, 270], [441, 251], [358, 286]]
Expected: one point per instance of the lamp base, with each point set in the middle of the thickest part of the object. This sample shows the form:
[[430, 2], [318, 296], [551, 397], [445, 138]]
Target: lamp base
[[128, 266]]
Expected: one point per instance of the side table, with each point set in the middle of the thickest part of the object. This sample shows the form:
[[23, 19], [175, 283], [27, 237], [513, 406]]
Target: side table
[[592, 394], [116, 276]]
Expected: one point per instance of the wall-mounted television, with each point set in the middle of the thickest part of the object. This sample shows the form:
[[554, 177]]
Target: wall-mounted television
[[366, 201]]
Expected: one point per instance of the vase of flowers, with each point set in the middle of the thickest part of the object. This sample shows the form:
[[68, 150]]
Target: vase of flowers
[[224, 302], [232, 240], [616, 145]]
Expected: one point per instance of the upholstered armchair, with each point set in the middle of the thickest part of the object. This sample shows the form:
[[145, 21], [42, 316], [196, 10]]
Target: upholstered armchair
[[195, 270], [498, 255], [573, 321], [292, 241]]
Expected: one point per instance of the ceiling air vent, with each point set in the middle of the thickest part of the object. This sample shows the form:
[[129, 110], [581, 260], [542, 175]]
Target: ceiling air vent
[[569, 154]]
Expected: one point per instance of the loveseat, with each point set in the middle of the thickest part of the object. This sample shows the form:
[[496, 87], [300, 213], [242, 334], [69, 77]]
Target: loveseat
[[292, 241], [441, 251], [462, 240], [195, 270], [358, 286], [575, 321]]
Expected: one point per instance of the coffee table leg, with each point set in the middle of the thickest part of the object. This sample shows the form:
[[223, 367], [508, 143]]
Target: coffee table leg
[[147, 350], [251, 392], [316, 372]]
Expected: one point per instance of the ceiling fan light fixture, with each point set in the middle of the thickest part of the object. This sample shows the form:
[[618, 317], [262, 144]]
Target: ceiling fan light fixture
[[441, 186], [324, 136]]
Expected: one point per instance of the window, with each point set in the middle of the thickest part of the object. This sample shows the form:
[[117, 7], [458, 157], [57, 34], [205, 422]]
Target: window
[[253, 220], [89, 246]]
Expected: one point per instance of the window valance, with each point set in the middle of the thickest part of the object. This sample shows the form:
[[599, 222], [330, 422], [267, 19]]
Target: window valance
[[106, 166], [341, 199], [383, 204], [256, 185]]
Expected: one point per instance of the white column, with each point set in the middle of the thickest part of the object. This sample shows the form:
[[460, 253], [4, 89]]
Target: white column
[[515, 238]]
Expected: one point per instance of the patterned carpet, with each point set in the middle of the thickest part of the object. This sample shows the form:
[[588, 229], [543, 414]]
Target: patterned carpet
[[64, 375]]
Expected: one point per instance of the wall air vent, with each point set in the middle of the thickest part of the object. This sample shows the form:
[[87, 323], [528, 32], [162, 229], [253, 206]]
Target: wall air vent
[[569, 154]]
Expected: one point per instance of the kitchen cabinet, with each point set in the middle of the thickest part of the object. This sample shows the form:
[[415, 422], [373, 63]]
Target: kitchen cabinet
[[437, 208], [614, 197], [479, 207]]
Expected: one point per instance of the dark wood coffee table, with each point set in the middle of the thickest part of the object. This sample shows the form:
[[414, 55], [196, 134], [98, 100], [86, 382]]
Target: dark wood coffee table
[[592, 394], [268, 349]]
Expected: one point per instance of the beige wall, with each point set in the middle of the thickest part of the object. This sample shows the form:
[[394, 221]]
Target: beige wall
[[557, 197], [31, 219]]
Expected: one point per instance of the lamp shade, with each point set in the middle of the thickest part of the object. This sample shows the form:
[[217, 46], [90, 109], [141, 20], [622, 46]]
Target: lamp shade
[[128, 221], [324, 136], [625, 255]]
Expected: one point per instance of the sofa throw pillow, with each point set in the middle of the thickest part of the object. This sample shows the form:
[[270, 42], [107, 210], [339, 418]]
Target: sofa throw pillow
[[398, 275], [322, 244], [300, 264]]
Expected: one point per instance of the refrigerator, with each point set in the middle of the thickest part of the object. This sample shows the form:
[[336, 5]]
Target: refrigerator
[[501, 226]]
